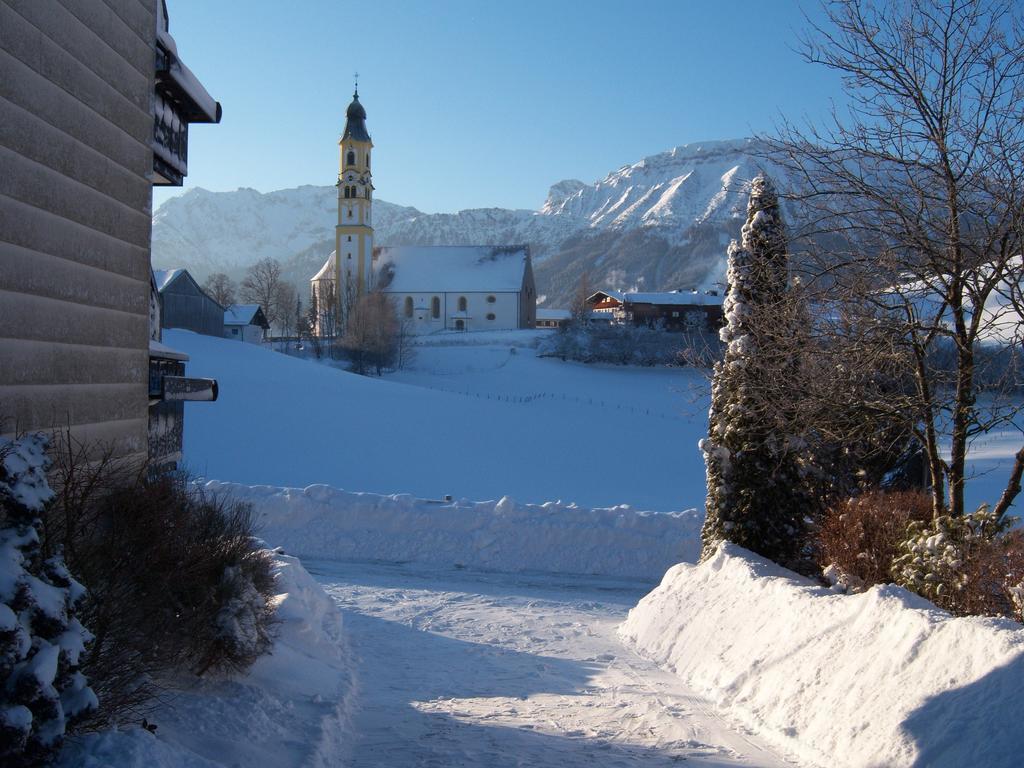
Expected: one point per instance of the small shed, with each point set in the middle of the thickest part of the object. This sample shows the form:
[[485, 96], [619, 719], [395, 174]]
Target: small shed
[[186, 305], [553, 318], [245, 322]]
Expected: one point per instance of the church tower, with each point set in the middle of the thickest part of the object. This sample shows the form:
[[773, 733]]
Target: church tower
[[354, 231]]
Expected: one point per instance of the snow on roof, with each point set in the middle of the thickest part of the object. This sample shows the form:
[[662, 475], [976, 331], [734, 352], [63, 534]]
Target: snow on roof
[[165, 277], [454, 268], [553, 314], [327, 270], [673, 297], [156, 349], [241, 314], [183, 76]]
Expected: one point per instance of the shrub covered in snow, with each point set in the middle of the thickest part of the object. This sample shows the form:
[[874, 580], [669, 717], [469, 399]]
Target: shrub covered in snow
[[176, 581], [41, 639], [969, 565]]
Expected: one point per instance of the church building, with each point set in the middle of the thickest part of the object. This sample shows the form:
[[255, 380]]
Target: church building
[[433, 288]]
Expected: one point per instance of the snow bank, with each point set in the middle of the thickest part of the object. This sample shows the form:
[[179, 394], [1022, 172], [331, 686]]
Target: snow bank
[[291, 709], [877, 679], [324, 522]]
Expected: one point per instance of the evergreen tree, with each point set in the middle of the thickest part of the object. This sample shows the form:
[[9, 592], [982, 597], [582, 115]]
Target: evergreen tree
[[41, 641], [757, 494]]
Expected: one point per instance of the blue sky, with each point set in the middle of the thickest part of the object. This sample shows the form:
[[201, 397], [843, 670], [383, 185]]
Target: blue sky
[[478, 104]]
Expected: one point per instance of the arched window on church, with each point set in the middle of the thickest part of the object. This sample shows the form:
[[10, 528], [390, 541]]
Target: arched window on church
[[351, 159], [408, 306], [462, 303], [347, 190], [435, 307], [367, 160]]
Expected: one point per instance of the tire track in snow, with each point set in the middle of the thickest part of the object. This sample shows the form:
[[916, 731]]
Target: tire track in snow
[[473, 669]]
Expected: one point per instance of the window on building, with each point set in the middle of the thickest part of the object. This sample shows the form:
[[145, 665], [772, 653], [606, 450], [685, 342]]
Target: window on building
[[408, 306], [491, 299], [350, 238], [347, 192], [459, 325], [234, 331], [350, 213], [462, 303], [490, 315], [351, 159], [367, 159], [435, 307]]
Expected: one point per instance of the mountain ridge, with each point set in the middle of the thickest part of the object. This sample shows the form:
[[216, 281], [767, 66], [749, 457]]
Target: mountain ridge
[[660, 223]]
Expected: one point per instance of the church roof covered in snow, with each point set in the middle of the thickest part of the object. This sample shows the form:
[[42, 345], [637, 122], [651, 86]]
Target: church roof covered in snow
[[327, 270], [452, 268]]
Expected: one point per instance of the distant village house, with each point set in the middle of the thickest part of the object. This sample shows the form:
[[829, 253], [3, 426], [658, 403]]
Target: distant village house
[[672, 310], [245, 322]]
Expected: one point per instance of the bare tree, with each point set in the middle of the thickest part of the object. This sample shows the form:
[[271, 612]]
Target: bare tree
[[371, 334], [579, 310], [221, 289], [920, 180], [284, 302], [262, 285]]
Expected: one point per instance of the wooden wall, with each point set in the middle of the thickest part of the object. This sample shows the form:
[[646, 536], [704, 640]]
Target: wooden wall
[[76, 80]]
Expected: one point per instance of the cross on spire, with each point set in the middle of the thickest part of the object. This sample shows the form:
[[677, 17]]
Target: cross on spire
[[357, 85]]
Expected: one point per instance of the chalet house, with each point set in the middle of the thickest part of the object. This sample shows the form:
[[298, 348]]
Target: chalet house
[[459, 288], [186, 305], [96, 109], [672, 310], [245, 322]]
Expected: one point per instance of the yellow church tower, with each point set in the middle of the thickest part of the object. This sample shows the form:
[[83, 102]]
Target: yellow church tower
[[354, 232]]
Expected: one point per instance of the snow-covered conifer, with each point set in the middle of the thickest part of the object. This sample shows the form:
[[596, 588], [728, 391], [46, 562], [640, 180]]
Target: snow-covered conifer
[[41, 641], [757, 496]]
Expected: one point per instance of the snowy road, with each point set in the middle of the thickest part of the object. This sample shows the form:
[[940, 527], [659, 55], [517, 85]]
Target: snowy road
[[495, 670]]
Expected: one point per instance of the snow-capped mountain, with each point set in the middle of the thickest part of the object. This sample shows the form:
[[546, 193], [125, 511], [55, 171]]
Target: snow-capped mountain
[[661, 223]]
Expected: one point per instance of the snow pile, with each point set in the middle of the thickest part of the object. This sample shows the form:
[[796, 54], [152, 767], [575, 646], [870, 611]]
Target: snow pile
[[881, 678], [293, 708], [328, 523]]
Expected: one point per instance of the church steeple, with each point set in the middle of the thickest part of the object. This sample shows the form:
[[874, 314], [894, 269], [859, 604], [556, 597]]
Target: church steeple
[[355, 120], [354, 231]]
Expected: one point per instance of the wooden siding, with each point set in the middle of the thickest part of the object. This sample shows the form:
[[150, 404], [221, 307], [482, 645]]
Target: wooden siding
[[186, 305], [76, 83]]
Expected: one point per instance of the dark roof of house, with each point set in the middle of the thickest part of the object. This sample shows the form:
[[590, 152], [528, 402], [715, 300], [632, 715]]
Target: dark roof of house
[[355, 122], [245, 314]]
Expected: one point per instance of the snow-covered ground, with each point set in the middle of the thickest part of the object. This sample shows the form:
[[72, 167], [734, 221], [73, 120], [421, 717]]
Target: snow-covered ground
[[882, 678], [480, 418], [292, 709], [469, 669], [477, 416]]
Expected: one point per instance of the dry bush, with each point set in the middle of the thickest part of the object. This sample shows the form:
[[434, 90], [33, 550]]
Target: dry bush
[[863, 535], [993, 579], [176, 581]]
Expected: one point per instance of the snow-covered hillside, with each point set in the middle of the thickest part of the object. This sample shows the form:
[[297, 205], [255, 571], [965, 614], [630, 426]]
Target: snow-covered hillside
[[477, 422], [660, 223]]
